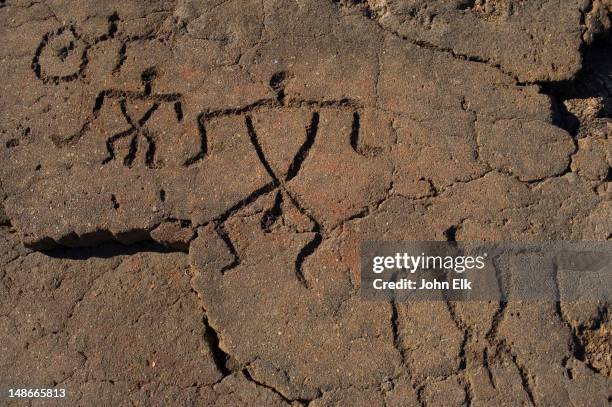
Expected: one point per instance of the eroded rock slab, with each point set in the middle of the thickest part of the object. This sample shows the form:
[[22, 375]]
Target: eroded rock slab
[[300, 328], [105, 325], [127, 133], [546, 37], [267, 139]]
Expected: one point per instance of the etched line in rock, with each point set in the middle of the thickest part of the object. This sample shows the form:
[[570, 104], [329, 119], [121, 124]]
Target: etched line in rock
[[252, 197], [230, 246], [203, 141], [178, 109], [271, 215], [355, 132], [260, 154], [311, 134], [306, 251]]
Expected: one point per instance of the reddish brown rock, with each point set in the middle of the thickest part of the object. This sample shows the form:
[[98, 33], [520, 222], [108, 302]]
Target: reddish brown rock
[[240, 152]]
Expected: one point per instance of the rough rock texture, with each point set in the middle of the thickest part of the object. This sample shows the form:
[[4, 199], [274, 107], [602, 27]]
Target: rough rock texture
[[545, 36], [184, 187]]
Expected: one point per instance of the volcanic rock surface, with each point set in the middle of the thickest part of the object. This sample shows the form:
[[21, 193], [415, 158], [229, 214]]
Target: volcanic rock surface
[[184, 187]]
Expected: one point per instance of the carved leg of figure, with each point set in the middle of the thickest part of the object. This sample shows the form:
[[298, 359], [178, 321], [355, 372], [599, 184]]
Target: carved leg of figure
[[110, 144], [150, 155], [131, 155], [203, 143]]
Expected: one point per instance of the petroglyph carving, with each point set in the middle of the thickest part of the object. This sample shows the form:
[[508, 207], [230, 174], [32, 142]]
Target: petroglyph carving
[[62, 54]]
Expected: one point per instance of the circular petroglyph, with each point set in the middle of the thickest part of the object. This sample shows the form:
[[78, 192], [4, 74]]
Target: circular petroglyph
[[61, 56]]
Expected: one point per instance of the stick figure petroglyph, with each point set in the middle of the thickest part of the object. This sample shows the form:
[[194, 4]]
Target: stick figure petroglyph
[[138, 130], [284, 198], [139, 134]]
